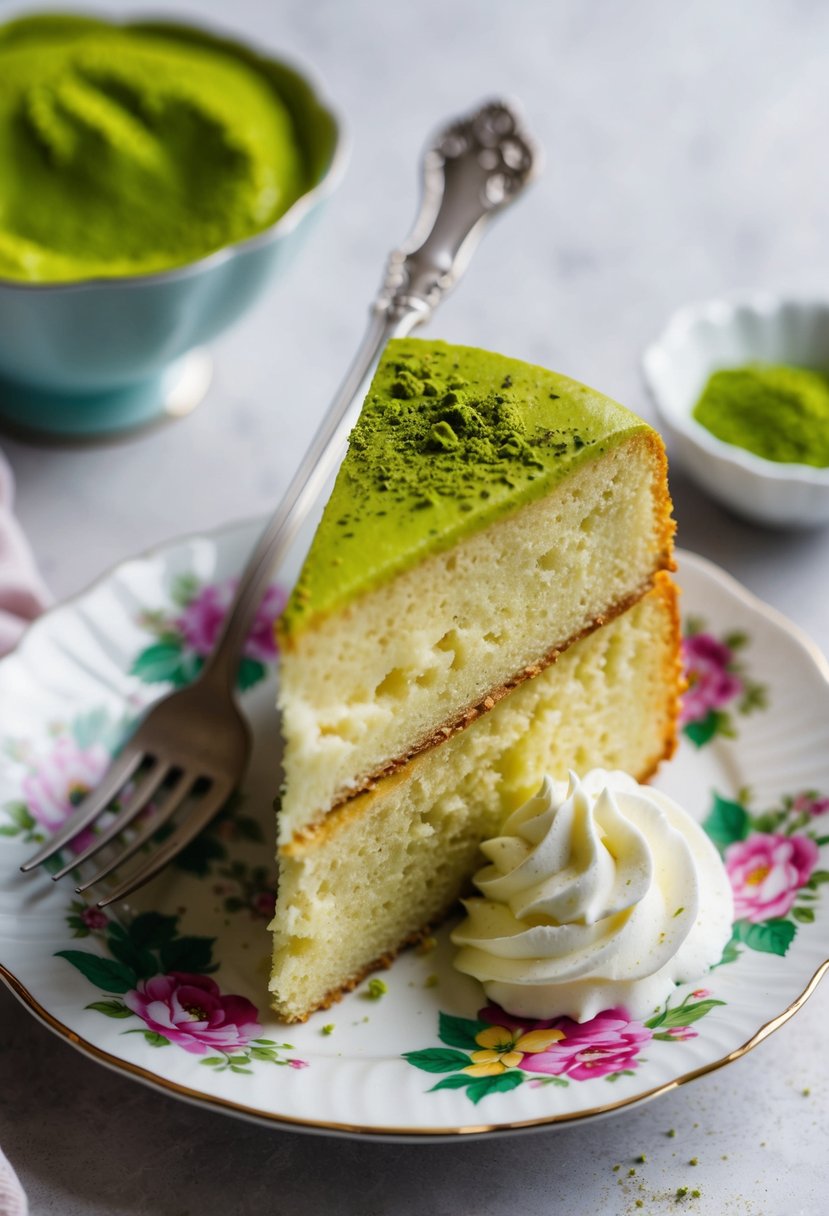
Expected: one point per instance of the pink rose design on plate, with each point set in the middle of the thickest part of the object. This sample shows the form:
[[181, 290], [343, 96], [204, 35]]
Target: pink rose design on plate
[[200, 622], [190, 1010], [62, 778], [810, 804], [767, 871], [710, 684], [606, 1044]]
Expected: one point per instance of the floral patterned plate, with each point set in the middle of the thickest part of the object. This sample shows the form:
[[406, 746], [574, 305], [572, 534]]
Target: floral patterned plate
[[172, 988]]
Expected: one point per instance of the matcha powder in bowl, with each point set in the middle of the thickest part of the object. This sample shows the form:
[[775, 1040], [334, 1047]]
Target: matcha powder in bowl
[[773, 410], [131, 150]]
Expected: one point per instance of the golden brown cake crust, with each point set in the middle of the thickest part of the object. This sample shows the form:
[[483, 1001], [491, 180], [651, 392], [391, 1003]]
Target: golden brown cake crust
[[448, 729], [665, 589]]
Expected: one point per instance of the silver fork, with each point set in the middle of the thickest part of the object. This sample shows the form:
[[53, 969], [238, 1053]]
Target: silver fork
[[197, 739]]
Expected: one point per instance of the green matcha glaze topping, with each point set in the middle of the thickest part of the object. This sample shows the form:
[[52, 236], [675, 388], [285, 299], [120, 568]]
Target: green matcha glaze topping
[[776, 411], [131, 149], [450, 439]]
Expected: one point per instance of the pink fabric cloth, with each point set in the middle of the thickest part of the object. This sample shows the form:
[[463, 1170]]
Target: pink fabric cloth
[[22, 593]]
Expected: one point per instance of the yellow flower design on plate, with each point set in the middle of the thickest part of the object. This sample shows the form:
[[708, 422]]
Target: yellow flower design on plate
[[503, 1049]]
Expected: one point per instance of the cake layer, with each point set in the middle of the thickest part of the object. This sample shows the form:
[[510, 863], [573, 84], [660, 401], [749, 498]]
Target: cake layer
[[424, 651], [390, 862]]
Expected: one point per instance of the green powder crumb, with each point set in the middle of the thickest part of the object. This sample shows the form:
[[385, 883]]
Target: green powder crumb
[[806, 1092], [639, 1203], [328, 1029], [694, 1161], [695, 1194], [671, 1132], [631, 1172], [616, 1167], [679, 912], [778, 412], [681, 1192], [426, 946], [376, 989], [641, 1158]]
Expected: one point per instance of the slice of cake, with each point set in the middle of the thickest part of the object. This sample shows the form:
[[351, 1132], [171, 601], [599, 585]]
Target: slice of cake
[[488, 519]]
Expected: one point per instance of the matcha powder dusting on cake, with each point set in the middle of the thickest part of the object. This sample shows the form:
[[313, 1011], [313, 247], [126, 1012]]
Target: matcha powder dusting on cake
[[450, 439], [775, 411]]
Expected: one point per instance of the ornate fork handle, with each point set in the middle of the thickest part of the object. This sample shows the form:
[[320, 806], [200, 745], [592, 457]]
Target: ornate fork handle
[[473, 169]]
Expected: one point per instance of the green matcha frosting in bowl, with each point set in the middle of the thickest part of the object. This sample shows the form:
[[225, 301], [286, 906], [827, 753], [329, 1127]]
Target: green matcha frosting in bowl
[[155, 176]]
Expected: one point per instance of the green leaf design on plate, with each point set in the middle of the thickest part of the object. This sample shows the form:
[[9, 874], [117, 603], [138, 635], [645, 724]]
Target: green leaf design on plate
[[702, 731], [158, 663], [730, 953], [21, 819], [769, 937], [185, 587], [112, 1009], [155, 1039], [505, 1081], [460, 1032], [167, 663], [105, 973], [250, 672], [458, 1080], [152, 930], [682, 1015], [437, 1059], [188, 954], [715, 722], [805, 916], [90, 728], [727, 822], [140, 962], [197, 856]]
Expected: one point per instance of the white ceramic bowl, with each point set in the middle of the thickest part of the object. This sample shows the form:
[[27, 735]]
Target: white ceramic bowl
[[703, 338]]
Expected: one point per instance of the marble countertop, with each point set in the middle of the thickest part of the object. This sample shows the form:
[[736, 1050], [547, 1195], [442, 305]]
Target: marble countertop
[[685, 158]]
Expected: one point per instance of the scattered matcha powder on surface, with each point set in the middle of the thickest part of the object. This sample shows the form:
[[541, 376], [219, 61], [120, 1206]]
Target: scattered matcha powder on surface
[[681, 1192], [641, 1158], [376, 989], [671, 1132], [776, 411], [695, 1194], [328, 1029], [694, 1161]]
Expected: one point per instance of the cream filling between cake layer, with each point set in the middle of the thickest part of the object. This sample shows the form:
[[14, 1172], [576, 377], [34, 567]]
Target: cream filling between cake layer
[[377, 871], [368, 686]]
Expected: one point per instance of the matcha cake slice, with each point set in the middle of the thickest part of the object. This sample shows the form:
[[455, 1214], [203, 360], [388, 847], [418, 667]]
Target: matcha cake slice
[[383, 867], [488, 513]]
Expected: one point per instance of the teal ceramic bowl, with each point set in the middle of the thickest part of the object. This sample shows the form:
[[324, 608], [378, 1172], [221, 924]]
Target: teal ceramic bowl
[[103, 356]]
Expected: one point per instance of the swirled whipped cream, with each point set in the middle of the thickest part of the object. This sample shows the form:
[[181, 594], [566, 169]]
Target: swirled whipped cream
[[600, 893]]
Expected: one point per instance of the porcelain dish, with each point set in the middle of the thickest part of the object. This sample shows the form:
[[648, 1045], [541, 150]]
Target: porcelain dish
[[702, 338], [102, 356], [172, 987]]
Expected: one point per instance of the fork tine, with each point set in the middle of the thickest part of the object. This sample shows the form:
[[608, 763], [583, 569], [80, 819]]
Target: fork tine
[[175, 796], [200, 816], [142, 795], [97, 800]]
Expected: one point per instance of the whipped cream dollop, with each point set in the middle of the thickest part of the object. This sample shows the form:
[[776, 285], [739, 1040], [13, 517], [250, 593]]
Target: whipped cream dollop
[[600, 893]]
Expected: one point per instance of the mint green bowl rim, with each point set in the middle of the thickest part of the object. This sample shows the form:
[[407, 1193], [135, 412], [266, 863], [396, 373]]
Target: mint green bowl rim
[[283, 226]]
